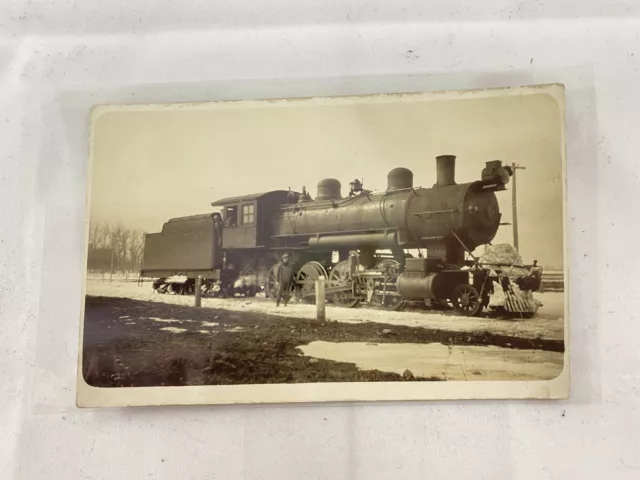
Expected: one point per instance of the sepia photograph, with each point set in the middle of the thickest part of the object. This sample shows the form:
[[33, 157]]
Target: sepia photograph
[[383, 247]]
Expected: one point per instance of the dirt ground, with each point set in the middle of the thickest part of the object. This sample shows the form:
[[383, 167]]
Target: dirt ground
[[134, 343]]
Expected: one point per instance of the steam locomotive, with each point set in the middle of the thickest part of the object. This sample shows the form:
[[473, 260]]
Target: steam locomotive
[[357, 242]]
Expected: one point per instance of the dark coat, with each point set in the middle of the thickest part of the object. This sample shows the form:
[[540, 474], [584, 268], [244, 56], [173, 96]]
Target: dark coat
[[285, 274]]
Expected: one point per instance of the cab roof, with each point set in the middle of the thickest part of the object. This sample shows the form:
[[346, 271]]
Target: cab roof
[[248, 198]]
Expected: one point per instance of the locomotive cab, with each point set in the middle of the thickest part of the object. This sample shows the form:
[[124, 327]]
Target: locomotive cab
[[244, 218]]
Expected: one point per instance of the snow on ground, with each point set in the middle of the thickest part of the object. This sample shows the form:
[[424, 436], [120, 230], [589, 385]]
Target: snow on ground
[[119, 276], [471, 363], [548, 322], [168, 320], [174, 329]]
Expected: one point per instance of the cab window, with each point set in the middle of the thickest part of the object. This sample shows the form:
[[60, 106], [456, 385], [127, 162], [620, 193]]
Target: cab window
[[247, 214], [232, 216]]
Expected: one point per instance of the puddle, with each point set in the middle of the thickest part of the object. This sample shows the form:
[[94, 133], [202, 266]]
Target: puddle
[[174, 329], [471, 363], [206, 332]]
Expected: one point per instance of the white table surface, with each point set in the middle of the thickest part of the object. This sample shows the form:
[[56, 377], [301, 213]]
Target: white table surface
[[57, 58]]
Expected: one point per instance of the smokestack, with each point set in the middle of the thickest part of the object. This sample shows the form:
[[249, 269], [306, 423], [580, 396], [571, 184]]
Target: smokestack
[[446, 167]]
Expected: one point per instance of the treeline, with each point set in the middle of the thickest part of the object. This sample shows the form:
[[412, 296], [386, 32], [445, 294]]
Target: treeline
[[116, 247]]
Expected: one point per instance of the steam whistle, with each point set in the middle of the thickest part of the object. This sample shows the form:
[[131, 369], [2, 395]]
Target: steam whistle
[[304, 196]]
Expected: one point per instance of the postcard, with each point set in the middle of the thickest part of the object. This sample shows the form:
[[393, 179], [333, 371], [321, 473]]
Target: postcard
[[387, 247]]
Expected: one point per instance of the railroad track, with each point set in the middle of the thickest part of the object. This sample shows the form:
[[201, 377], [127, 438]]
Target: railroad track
[[552, 282]]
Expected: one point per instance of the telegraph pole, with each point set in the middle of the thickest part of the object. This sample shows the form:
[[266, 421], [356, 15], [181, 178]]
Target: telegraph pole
[[514, 203]]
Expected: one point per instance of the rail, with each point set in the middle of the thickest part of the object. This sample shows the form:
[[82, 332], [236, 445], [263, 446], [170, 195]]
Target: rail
[[552, 281]]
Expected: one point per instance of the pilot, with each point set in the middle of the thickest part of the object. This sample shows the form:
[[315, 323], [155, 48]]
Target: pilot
[[284, 279]]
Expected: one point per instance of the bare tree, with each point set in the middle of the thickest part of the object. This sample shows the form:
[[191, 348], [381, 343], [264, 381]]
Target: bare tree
[[120, 243], [126, 246], [106, 235], [135, 249], [100, 242], [96, 237]]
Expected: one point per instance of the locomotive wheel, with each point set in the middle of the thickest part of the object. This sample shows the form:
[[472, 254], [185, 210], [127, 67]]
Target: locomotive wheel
[[390, 302], [340, 274], [271, 287], [160, 286], [187, 288], [307, 275], [205, 290], [345, 300], [466, 300]]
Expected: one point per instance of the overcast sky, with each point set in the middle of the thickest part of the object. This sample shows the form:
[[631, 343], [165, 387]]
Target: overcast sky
[[153, 165]]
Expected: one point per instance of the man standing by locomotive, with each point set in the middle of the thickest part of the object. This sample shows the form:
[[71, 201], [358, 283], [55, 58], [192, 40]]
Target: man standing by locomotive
[[535, 273], [284, 277]]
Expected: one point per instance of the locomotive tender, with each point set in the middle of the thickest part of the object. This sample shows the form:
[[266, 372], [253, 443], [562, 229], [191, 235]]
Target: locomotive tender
[[238, 248]]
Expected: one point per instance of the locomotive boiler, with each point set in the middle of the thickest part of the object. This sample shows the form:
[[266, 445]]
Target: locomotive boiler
[[441, 219], [358, 241]]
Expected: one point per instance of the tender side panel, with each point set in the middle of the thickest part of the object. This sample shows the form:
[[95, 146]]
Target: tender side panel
[[181, 251], [189, 224]]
